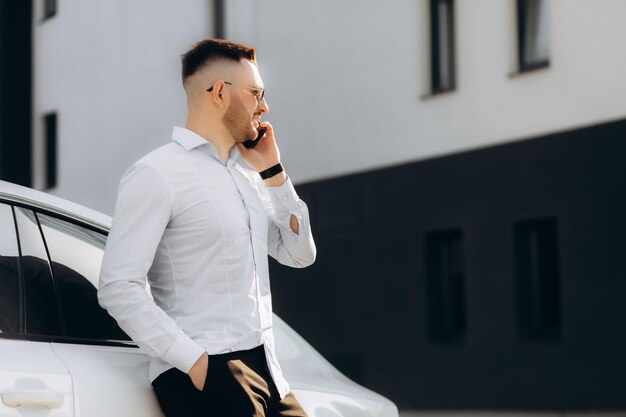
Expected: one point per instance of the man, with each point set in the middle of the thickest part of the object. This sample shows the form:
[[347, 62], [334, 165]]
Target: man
[[200, 226]]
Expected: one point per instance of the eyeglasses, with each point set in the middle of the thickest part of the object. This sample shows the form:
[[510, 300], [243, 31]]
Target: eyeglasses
[[258, 93]]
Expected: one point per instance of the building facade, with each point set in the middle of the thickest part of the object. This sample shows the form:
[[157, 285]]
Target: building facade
[[462, 160]]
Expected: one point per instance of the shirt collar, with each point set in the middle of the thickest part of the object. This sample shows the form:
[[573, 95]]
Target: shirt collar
[[189, 140]]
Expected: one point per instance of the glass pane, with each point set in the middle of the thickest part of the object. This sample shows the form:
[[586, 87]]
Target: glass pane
[[536, 32], [76, 254], [9, 274], [442, 45], [445, 45], [42, 313]]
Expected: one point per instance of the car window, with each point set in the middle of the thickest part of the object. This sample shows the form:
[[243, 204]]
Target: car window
[[41, 308], [76, 253], [9, 274]]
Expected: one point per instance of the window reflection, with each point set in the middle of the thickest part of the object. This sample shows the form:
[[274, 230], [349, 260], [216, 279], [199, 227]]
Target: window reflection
[[76, 254], [534, 34], [9, 274], [41, 309]]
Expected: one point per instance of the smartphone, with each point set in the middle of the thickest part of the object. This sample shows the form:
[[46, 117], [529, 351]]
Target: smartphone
[[252, 143]]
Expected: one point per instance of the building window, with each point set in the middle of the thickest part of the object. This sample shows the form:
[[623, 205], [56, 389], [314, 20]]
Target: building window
[[442, 46], [219, 16], [50, 149], [445, 286], [49, 9], [537, 280], [533, 34]]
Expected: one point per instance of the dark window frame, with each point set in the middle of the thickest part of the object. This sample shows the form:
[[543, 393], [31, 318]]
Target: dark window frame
[[50, 123], [446, 286], [538, 283], [522, 25], [219, 18], [437, 84], [49, 9]]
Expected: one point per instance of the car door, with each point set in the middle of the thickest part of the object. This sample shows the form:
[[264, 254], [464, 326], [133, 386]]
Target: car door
[[33, 381], [109, 373]]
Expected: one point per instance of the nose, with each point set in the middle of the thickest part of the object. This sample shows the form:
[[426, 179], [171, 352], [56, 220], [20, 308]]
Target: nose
[[263, 107]]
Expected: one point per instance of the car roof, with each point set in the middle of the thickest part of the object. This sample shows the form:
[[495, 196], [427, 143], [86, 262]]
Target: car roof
[[37, 199]]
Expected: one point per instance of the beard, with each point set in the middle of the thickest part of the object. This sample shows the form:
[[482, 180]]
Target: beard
[[238, 121]]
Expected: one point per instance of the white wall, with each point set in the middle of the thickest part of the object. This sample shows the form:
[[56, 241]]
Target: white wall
[[345, 80], [112, 71]]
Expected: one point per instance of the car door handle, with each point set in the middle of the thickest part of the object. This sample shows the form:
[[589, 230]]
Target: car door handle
[[32, 397]]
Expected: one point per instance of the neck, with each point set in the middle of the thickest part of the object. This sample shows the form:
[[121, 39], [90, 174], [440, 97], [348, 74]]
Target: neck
[[214, 133]]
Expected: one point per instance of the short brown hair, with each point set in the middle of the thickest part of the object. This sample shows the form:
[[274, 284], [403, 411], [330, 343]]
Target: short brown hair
[[209, 50]]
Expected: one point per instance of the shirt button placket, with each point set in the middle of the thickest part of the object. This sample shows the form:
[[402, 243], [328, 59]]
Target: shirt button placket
[[237, 177]]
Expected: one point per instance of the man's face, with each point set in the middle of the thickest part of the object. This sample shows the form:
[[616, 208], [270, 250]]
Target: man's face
[[241, 119], [243, 115]]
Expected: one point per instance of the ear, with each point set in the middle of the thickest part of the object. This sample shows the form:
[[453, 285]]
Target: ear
[[217, 94]]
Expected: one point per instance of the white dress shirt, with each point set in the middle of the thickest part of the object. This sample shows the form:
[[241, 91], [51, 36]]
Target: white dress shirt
[[200, 231]]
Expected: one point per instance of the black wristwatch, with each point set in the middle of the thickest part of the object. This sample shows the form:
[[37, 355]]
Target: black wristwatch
[[271, 171]]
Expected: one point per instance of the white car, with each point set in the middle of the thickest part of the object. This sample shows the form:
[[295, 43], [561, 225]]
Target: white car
[[61, 355]]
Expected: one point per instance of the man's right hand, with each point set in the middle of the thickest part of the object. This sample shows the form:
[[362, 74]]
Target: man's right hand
[[198, 371]]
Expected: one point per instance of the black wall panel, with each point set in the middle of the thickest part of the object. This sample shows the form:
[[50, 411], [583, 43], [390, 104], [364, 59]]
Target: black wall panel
[[15, 90], [363, 304]]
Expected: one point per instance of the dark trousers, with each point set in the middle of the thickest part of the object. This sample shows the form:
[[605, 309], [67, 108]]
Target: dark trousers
[[238, 384]]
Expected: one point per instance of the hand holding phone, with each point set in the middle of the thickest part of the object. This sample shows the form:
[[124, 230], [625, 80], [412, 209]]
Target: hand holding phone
[[262, 156], [249, 144]]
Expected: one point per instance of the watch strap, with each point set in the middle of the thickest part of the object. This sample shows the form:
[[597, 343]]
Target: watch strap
[[271, 171]]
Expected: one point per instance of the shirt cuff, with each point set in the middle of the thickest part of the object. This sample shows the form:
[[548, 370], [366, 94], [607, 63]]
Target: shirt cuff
[[284, 196], [183, 353]]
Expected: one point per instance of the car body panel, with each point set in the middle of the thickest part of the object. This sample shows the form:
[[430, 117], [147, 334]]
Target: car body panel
[[32, 378], [322, 390], [109, 380]]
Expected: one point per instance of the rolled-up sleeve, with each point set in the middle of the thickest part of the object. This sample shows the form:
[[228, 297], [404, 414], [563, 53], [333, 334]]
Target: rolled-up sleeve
[[143, 209], [289, 248]]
